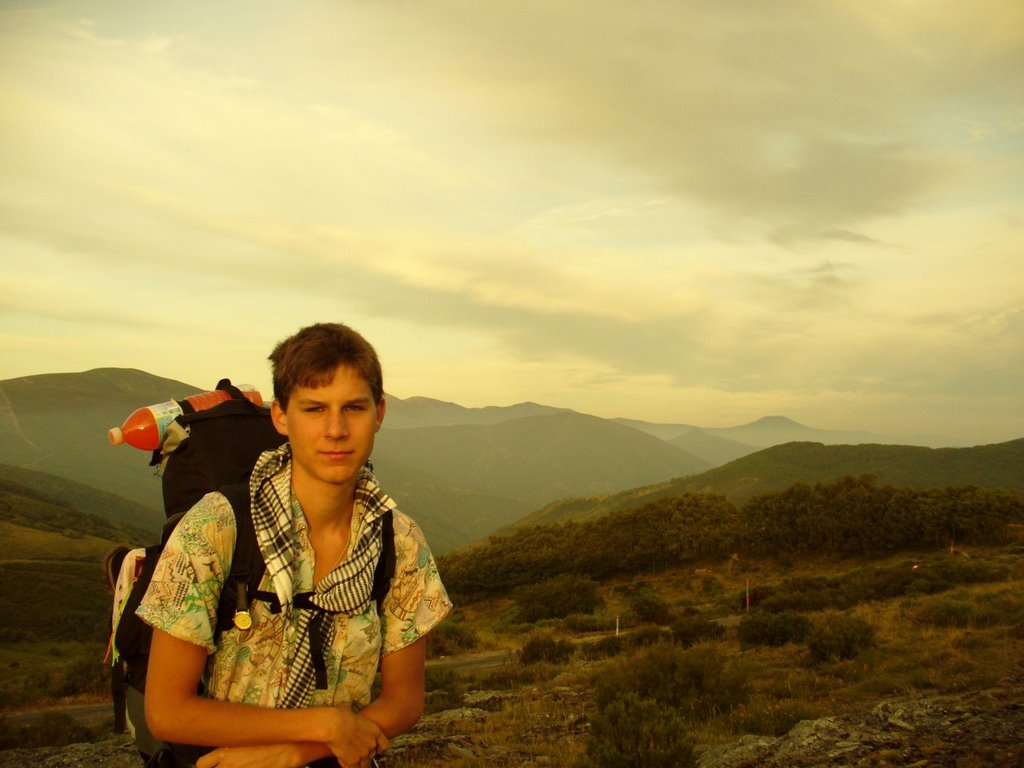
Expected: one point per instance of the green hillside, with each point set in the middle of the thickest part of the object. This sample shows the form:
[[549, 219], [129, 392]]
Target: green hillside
[[849, 517], [58, 423], [450, 516], [84, 499], [51, 581], [997, 466], [538, 458]]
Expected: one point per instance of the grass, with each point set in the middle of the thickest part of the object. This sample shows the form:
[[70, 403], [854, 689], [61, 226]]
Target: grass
[[957, 639], [960, 638]]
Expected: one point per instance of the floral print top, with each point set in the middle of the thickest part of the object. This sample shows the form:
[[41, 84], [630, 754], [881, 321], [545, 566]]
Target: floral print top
[[252, 666]]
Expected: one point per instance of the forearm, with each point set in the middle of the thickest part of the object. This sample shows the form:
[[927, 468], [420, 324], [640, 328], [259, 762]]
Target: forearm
[[176, 713], [394, 714], [203, 721], [400, 704]]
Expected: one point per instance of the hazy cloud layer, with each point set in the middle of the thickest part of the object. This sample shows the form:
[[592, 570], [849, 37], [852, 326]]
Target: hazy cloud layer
[[699, 212]]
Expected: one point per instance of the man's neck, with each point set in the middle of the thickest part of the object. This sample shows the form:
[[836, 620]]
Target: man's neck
[[326, 506]]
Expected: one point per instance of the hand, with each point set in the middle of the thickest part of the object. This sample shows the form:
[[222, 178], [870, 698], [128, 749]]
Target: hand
[[266, 756], [358, 739]]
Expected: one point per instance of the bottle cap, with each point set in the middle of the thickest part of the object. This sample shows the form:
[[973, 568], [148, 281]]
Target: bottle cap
[[115, 436]]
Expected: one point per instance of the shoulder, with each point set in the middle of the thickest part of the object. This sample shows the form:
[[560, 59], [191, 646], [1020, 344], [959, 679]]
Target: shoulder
[[210, 521], [411, 548], [406, 527]]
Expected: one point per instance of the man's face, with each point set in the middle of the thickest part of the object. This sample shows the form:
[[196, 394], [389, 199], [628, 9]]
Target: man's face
[[331, 430]]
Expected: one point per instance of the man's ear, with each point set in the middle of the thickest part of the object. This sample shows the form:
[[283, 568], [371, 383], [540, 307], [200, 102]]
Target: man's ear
[[382, 406], [279, 417]]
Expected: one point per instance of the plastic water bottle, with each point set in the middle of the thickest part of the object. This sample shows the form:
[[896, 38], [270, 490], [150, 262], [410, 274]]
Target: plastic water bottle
[[145, 427]]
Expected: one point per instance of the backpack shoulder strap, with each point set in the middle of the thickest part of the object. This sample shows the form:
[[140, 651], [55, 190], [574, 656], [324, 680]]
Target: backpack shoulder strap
[[384, 572], [247, 565]]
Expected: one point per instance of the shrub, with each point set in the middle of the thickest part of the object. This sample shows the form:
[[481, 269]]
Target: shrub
[[800, 594], [85, 673], [556, 598], [762, 628], [510, 676], [578, 622], [451, 637], [612, 645], [711, 587], [839, 637], [770, 717], [444, 688], [646, 636], [632, 731], [52, 729], [647, 605], [697, 681], [688, 630], [545, 648]]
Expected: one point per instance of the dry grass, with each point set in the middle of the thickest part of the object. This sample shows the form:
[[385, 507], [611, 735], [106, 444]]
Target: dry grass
[[960, 639]]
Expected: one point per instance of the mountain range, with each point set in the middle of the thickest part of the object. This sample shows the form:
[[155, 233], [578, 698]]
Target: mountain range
[[462, 473]]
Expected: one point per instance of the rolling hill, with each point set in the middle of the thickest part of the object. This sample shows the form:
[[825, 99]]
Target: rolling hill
[[538, 458], [46, 517], [57, 423], [997, 466], [470, 471], [51, 581], [462, 473]]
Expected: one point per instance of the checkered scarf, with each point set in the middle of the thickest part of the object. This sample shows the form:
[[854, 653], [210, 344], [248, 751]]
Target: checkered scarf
[[346, 589]]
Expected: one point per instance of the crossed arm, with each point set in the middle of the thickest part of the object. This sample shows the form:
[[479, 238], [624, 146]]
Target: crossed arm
[[248, 735]]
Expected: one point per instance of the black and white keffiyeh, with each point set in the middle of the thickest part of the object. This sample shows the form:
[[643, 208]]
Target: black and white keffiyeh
[[346, 589]]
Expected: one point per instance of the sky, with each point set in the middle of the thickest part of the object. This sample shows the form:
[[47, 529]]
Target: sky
[[697, 212]]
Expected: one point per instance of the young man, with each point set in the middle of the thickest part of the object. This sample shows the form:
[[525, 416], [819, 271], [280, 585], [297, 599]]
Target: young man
[[295, 687]]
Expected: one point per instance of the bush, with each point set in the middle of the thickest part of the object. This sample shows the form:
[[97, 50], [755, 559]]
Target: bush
[[578, 622], [646, 636], [632, 731], [556, 598], [510, 676], [451, 637], [697, 681], [840, 637], [648, 606], [690, 630], [612, 645], [711, 587], [444, 688], [769, 717], [545, 648], [762, 628], [53, 729], [84, 674]]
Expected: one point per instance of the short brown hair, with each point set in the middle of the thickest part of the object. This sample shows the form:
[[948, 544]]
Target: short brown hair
[[310, 357]]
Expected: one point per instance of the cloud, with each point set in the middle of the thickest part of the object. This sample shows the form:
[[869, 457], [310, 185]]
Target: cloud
[[809, 202], [802, 117]]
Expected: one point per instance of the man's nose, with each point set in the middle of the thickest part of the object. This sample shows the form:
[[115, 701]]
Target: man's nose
[[337, 425]]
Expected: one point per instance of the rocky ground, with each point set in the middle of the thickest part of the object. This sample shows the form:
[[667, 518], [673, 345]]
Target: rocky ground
[[977, 729]]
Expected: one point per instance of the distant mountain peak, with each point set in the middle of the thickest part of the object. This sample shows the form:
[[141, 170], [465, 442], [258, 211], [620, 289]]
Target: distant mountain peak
[[775, 422]]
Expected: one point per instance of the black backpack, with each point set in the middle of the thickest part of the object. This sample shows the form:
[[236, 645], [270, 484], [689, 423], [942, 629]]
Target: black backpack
[[215, 450]]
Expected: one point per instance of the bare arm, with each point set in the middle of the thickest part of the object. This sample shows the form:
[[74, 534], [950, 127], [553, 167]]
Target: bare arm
[[400, 703], [175, 712], [396, 710]]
